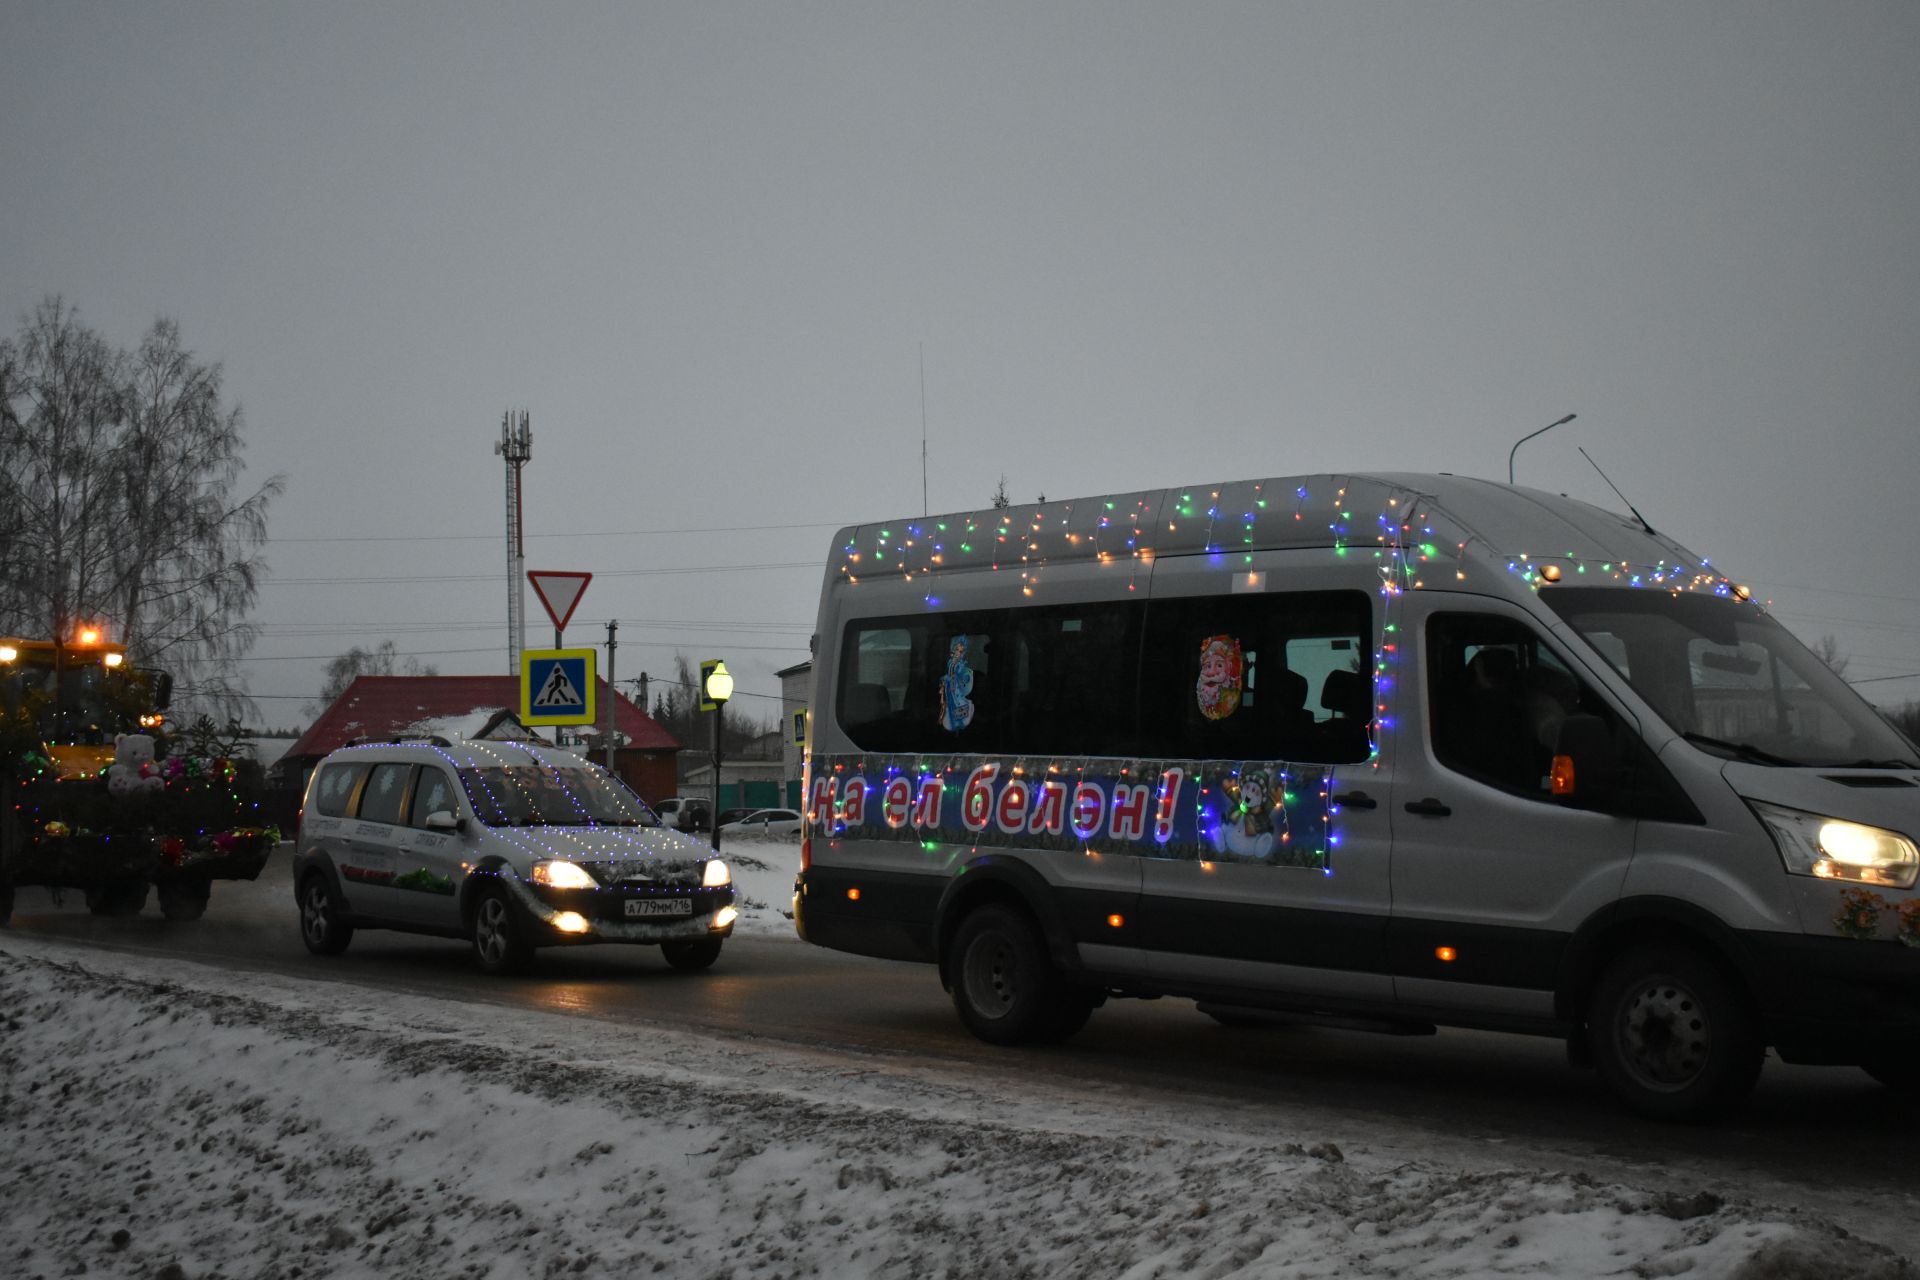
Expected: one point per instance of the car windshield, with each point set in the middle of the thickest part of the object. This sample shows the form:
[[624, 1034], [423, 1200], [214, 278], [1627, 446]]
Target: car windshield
[[532, 795], [1730, 679]]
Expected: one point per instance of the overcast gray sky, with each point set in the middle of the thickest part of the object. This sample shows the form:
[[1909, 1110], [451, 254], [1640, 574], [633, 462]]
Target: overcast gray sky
[[705, 244]]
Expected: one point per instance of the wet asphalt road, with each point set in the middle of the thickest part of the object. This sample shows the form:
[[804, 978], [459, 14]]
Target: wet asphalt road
[[1827, 1130]]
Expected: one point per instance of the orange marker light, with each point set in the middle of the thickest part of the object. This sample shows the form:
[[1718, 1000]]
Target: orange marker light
[[853, 895], [1445, 954], [1116, 920]]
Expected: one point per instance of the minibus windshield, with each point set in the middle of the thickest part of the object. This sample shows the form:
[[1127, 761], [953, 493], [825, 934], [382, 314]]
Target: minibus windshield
[[1730, 679], [535, 796]]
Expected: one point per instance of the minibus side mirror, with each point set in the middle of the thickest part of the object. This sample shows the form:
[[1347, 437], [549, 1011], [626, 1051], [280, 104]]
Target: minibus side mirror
[[1586, 768], [443, 820]]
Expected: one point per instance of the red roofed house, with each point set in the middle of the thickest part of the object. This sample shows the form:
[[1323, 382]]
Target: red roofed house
[[379, 707]]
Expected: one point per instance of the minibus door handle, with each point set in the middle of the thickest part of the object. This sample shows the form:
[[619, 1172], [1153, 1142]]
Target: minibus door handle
[[1356, 800], [1429, 807]]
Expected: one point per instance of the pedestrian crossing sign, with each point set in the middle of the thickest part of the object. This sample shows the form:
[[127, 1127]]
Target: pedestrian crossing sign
[[556, 686]]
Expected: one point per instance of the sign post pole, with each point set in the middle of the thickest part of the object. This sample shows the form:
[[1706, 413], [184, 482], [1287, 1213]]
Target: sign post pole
[[559, 593]]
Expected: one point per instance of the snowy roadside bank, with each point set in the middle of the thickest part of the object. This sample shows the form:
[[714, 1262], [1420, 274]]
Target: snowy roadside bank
[[167, 1119]]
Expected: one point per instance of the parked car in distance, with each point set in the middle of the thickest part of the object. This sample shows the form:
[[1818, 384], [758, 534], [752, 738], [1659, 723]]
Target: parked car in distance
[[508, 845], [764, 822], [735, 814], [685, 813]]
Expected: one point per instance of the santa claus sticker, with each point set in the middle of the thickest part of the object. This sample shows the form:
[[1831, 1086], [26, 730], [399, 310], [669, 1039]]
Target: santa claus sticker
[[1217, 691]]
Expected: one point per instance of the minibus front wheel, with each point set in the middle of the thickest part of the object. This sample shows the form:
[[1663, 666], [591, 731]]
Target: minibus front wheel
[[1672, 1035], [1005, 988]]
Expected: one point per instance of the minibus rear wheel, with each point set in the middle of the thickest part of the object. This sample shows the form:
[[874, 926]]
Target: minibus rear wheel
[[1672, 1036], [1004, 987]]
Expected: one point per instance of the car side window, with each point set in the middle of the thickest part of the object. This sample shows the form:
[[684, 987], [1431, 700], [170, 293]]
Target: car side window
[[385, 791], [432, 793], [333, 790], [1499, 697]]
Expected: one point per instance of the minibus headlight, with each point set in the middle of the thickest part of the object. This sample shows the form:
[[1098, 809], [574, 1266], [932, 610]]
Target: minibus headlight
[[716, 874], [1812, 844], [555, 874]]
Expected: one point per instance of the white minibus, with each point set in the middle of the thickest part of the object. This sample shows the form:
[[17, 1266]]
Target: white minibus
[[1393, 751]]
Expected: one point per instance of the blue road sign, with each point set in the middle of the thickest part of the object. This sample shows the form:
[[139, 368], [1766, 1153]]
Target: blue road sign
[[556, 686]]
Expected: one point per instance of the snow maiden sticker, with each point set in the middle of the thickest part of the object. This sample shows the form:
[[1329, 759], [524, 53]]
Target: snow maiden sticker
[[1217, 691], [956, 688]]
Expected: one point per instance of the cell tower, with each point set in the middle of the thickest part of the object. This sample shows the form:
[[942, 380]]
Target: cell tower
[[516, 446]]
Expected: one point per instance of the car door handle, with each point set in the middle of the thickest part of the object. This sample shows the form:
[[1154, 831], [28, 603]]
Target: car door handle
[[1356, 800], [1429, 807]]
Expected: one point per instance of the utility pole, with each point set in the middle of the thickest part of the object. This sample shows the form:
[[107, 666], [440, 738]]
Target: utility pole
[[613, 691]]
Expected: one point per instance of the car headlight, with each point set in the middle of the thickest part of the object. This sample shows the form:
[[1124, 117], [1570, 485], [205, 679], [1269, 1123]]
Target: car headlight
[[1812, 844], [716, 874], [555, 874]]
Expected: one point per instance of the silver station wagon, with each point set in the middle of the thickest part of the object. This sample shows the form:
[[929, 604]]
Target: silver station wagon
[[511, 845]]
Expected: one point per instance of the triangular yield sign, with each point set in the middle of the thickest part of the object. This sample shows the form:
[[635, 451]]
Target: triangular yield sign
[[558, 592]]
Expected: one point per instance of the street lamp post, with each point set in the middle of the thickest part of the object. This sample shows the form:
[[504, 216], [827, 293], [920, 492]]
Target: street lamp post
[[716, 686], [1530, 435]]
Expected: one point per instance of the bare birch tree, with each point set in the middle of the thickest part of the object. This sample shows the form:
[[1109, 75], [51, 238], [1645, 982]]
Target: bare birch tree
[[120, 478]]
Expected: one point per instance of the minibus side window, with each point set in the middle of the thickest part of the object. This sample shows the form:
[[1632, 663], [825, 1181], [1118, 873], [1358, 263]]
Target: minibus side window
[[1070, 684], [920, 684], [1043, 680], [1282, 676]]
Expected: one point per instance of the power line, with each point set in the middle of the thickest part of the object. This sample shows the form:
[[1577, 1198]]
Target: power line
[[495, 577], [610, 533], [494, 648]]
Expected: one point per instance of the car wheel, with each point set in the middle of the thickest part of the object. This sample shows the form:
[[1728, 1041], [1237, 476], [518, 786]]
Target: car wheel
[[184, 899], [1004, 987], [1672, 1037], [691, 957], [499, 940], [122, 898], [320, 926], [1902, 1075]]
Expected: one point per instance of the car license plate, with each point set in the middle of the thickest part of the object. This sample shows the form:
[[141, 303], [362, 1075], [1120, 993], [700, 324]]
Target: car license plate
[[659, 907]]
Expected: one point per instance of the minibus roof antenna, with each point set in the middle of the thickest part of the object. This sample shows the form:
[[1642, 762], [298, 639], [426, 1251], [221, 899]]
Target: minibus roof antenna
[[1616, 488]]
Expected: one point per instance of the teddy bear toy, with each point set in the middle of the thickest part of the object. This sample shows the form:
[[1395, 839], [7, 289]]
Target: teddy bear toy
[[132, 772]]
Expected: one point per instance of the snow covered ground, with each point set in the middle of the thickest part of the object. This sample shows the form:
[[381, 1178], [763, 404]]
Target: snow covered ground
[[165, 1119]]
